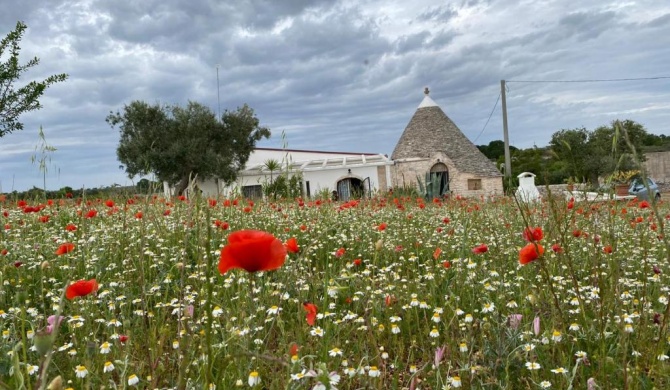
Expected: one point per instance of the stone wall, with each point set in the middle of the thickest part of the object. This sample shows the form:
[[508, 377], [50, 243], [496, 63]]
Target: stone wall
[[381, 178], [406, 171], [658, 166]]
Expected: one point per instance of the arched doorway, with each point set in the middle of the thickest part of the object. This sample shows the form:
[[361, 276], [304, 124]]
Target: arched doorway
[[350, 188], [440, 173]]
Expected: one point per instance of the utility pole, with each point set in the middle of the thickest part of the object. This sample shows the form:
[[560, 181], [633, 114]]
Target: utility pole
[[508, 164]]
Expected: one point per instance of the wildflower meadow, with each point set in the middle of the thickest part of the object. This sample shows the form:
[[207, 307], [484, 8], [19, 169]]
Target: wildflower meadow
[[390, 292]]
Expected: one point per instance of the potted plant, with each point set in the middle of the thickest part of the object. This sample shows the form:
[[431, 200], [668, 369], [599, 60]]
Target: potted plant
[[621, 180]]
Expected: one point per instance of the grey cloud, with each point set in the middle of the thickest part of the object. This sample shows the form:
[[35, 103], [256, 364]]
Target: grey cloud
[[440, 13], [588, 25]]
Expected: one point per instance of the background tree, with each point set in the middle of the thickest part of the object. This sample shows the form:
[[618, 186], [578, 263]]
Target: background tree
[[271, 165], [14, 102], [495, 149], [176, 143], [571, 147]]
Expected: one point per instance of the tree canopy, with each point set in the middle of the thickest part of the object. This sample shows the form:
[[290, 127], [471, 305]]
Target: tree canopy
[[16, 101], [582, 155], [175, 143]]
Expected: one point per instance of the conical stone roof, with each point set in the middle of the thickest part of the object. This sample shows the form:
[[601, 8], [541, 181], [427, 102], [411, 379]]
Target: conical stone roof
[[430, 131]]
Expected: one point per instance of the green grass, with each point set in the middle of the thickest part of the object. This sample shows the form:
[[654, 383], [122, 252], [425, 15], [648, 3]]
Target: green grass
[[187, 326]]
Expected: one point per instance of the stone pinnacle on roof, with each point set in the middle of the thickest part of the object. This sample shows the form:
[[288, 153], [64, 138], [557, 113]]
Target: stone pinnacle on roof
[[430, 130], [427, 101]]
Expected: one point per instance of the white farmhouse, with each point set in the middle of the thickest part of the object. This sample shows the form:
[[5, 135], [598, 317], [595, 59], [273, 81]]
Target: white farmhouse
[[349, 174]]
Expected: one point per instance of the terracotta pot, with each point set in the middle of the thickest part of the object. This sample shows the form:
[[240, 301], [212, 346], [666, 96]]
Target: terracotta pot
[[621, 189]]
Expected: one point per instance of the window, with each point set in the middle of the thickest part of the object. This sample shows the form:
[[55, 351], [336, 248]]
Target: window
[[474, 184], [252, 191]]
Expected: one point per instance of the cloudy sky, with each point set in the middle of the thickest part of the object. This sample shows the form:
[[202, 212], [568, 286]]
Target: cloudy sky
[[340, 75]]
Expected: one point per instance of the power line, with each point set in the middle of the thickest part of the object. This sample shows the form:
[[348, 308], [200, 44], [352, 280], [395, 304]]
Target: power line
[[589, 80], [487, 121]]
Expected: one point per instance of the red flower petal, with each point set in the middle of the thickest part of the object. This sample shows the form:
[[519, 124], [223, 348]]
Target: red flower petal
[[292, 245], [530, 252], [81, 288], [311, 312], [253, 251], [65, 248]]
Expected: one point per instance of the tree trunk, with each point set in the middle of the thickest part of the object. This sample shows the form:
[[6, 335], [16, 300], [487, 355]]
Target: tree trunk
[[181, 186]]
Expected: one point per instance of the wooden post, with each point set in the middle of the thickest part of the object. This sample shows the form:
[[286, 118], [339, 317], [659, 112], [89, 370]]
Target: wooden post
[[508, 163]]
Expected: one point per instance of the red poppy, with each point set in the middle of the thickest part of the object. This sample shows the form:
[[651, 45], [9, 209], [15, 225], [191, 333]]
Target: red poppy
[[212, 202], [446, 264], [437, 253], [357, 262], [123, 338], [4, 252], [608, 249], [340, 252], [292, 245], [311, 312], [65, 248], [71, 227], [644, 205], [91, 213], [109, 203], [22, 203], [139, 215], [533, 234], [530, 252], [382, 226], [252, 250], [557, 248], [293, 349], [167, 212], [81, 288], [44, 218], [482, 248]]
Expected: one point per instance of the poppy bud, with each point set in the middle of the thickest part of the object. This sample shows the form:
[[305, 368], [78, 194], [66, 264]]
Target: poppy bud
[[179, 266], [43, 342], [91, 348], [44, 265], [56, 384], [379, 245], [657, 270]]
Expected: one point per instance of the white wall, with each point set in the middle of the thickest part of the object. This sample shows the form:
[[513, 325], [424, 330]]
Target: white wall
[[259, 156], [318, 180]]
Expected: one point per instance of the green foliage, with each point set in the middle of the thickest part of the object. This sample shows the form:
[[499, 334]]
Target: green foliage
[[284, 187], [495, 150], [176, 143], [16, 101], [432, 186], [45, 152], [145, 186]]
